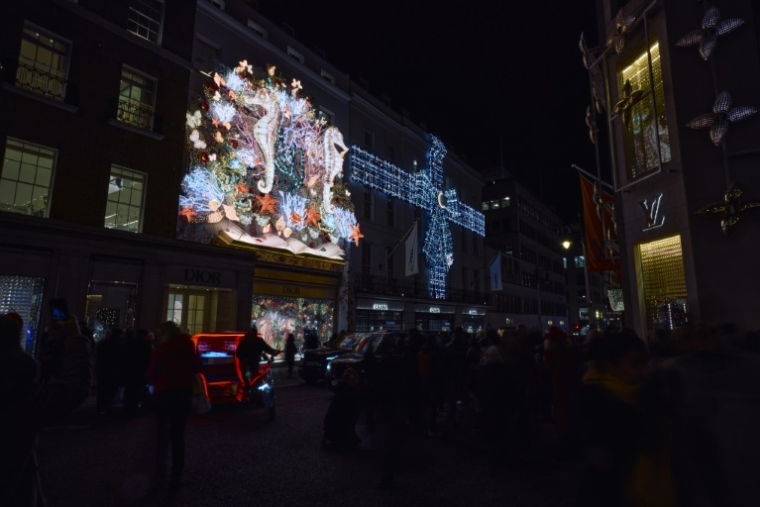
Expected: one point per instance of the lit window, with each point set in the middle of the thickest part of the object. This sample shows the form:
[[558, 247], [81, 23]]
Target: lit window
[[580, 261], [641, 133], [295, 54], [205, 57], [258, 29], [126, 194], [26, 179], [505, 202], [495, 204], [137, 95], [326, 115], [326, 75], [484, 206], [43, 63], [146, 18]]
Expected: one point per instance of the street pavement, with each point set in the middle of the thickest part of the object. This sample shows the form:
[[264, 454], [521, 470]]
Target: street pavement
[[235, 457]]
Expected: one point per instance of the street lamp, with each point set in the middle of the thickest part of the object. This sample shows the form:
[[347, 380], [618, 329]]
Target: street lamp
[[567, 244]]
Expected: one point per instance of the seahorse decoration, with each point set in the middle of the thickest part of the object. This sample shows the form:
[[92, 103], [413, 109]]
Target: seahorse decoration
[[333, 163], [265, 133]]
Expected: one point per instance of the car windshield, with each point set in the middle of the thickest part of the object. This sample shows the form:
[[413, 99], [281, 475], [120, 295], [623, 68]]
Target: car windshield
[[350, 341], [362, 345]]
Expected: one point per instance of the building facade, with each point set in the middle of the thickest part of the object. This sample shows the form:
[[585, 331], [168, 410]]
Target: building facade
[[526, 237], [684, 183], [392, 180], [94, 97]]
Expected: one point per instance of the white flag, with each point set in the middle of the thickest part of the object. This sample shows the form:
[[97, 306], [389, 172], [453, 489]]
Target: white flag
[[496, 274], [410, 253]]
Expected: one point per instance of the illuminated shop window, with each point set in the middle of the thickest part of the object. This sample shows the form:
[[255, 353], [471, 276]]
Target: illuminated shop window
[[26, 178], [126, 194], [137, 99], [661, 269], [146, 19], [23, 295], [43, 63], [174, 308], [641, 133], [196, 313], [276, 317], [205, 57]]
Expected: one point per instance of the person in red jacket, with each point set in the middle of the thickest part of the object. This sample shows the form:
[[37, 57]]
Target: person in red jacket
[[171, 373]]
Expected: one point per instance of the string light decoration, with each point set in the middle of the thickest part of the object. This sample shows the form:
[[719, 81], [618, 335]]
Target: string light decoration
[[264, 165], [424, 190]]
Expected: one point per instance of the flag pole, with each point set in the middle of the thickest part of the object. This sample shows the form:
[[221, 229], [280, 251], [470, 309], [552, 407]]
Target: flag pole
[[403, 238]]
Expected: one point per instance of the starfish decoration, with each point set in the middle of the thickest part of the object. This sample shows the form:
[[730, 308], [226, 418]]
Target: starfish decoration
[[188, 212], [623, 24], [267, 203], [356, 234], [591, 124], [296, 218], [242, 189], [730, 210], [721, 117], [630, 98], [707, 36], [312, 217]]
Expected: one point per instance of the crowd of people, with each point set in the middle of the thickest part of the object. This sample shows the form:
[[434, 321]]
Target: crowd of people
[[670, 421]]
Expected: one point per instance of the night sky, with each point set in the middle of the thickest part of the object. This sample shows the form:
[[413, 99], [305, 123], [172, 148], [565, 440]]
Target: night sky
[[473, 75]]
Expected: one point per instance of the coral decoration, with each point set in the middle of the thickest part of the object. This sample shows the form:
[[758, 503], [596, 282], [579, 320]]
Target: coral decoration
[[267, 203], [356, 234], [255, 134]]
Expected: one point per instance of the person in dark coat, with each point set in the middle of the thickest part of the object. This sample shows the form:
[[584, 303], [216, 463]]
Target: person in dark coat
[[493, 388], [108, 363], [343, 412], [172, 371], [627, 459], [290, 353], [28, 406], [137, 353]]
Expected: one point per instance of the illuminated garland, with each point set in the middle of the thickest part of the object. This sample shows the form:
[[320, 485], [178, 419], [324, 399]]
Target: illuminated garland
[[425, 190], [261, 158]]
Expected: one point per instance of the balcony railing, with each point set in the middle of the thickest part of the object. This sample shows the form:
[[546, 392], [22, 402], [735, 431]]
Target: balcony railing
[[136, 114], [391, 286], [45, 83]]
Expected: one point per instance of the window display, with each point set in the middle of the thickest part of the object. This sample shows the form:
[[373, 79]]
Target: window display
[[276, 317]]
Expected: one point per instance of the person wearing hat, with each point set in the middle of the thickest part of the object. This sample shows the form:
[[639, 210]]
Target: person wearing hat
[[28, 406]]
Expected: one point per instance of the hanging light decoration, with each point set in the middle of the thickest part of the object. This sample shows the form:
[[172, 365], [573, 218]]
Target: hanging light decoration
[[707, 35], [722, 116]]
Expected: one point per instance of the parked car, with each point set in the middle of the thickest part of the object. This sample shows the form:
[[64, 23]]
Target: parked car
[[386, 348], [313, 365]]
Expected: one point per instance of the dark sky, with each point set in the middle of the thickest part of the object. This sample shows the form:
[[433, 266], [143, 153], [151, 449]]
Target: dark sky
[[474, 73]]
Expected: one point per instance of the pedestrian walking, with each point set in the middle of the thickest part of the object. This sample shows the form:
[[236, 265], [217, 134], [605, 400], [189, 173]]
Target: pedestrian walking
[[137, 354], [28, 405], [291, 349], [171, 372], [108, 364]]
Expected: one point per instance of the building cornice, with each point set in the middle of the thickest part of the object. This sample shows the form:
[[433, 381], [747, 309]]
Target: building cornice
[[244, 32]]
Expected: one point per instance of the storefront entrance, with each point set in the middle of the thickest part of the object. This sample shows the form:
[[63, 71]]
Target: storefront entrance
[[23, 295], [660, 267], [198, 309]]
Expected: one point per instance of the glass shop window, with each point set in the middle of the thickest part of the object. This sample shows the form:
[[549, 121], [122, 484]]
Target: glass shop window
[[643, 129]]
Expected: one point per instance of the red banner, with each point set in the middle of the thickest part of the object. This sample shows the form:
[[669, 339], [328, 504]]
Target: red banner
[[597, 256]]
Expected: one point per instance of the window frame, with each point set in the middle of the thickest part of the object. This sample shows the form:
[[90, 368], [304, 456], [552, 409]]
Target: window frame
[[326, 113], [152, 108], [326, 75], [49, 195], [258, 29], [53, 36], [215, 47], [159, 33], [296, 55], [144, 190]]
